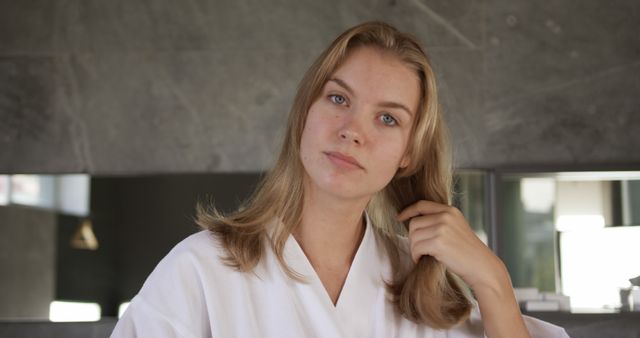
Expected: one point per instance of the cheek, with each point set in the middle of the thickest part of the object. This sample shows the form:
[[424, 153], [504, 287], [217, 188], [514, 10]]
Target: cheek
[[311, 134], [393, 154], [320, 123], [305, 142], [310, 129]]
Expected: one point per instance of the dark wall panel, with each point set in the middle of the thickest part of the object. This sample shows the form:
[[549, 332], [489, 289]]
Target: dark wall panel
[[151, 214]]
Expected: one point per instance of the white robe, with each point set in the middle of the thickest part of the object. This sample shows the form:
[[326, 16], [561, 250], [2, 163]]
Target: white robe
[[192, 293]]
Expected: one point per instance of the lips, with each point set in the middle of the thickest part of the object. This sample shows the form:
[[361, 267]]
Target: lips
[[342, 159]]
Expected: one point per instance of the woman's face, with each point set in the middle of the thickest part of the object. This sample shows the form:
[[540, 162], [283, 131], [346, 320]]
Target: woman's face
[[356, 133]]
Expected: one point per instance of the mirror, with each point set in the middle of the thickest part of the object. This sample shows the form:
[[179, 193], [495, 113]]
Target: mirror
[[572, 232], [46, 256]]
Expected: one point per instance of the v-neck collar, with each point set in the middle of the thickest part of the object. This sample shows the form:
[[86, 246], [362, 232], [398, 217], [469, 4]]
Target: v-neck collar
[[363, 286]]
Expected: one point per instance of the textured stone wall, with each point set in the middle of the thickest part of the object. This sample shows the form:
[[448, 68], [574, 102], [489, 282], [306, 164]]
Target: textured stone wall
[[148, 86]]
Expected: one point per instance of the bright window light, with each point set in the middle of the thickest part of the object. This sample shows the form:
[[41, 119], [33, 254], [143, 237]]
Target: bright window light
[[69, 194], [579, 222], [73, 194], [33, 190], [74, 312], [25, 189], [596, 264], [538, 194], [122, 308]]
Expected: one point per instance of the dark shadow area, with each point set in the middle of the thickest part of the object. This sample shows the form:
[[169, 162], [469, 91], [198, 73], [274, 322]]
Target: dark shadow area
[[137, 220]]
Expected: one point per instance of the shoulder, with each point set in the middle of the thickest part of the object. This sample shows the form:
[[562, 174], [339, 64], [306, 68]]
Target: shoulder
[[202, 244], [185, 263], [201, 248], [173, 298], [189, 260]]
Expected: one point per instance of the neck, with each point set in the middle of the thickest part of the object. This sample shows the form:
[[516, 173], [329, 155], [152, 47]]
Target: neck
[[331, 229]]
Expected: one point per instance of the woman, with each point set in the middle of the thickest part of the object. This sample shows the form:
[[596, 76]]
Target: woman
[[351, 234]]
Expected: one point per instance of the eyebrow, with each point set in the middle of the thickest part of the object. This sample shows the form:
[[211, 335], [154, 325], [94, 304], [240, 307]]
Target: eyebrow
[[384, 104]]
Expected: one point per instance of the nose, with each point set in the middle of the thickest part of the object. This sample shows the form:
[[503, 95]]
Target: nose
[[350, 132], [349, 135]]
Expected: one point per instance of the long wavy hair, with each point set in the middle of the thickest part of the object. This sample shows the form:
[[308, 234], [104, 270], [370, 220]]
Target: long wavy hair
[[426, 293]]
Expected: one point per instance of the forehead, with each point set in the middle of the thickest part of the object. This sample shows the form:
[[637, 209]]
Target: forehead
[[380, 76]]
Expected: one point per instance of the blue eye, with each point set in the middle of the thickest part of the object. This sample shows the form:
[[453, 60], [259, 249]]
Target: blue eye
[[337, 99], [388, 120]]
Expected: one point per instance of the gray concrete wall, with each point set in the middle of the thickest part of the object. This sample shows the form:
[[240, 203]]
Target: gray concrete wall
[[109, 87], [27, 262]]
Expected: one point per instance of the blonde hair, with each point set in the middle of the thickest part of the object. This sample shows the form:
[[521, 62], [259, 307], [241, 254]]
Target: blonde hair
[[426, 293]]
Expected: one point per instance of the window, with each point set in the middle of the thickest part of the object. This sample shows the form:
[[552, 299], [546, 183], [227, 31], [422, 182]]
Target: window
[[68, 194]]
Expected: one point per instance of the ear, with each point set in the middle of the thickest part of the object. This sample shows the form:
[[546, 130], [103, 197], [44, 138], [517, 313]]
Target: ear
[[404, 162]]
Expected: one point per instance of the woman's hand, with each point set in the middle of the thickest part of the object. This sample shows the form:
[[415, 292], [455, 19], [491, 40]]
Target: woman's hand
[[441, 231]]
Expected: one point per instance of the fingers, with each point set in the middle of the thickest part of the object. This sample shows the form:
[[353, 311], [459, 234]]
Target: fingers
[[421, 208], [431, 227], [424, 247], [422, 221], [425, 241]]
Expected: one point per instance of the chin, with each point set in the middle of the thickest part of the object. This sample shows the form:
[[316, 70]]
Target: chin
[[342, 185], [343, 189]]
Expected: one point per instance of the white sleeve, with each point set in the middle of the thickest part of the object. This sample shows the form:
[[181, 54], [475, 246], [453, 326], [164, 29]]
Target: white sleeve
[[142, 320], [171, 303]]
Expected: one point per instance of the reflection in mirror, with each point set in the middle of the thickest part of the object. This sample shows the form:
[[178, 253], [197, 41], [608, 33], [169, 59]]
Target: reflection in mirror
[[572, 232]]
